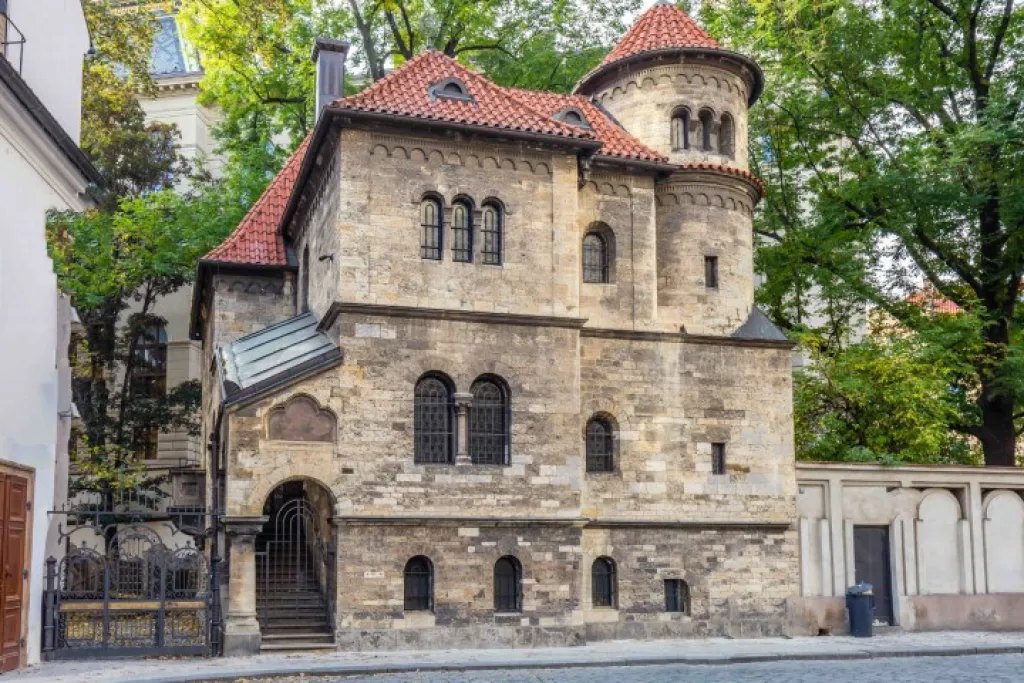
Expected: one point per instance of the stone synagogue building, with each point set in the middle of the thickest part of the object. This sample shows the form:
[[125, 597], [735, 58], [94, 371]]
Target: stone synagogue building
[[483, 365]]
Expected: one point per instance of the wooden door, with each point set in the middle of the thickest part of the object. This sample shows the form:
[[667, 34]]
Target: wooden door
[[13, 529], [871, 564]]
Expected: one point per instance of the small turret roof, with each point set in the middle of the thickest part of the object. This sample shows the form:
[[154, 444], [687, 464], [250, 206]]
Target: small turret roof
[[662, 27]]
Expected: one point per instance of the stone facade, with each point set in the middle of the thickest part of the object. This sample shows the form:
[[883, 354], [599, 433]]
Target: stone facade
[[652, 351]]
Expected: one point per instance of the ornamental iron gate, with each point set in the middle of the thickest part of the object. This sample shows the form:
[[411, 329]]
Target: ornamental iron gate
[[129, 594], [295, 591]]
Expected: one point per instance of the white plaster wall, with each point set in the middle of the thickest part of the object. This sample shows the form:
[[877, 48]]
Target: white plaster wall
[[194, 121], [56, 40], [939, 559], [1004, 542]]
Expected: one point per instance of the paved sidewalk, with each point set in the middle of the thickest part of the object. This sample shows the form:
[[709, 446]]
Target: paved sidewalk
[[603, 654]]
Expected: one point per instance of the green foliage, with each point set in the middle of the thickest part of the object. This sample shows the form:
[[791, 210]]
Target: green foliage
[[256, 53], [890, 140], [885, 399]]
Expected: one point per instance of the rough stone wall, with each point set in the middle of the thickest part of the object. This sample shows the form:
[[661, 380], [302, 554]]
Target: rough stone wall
[[624, 206], [703, 215], [739, 581], [383, 179], [320, 236], [371, 586], [644, 100], [671, 401]]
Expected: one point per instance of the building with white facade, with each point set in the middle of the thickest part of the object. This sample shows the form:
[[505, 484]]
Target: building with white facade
[[42, 45]]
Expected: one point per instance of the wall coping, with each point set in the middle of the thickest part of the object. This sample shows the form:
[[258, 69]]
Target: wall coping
[[906, 475]]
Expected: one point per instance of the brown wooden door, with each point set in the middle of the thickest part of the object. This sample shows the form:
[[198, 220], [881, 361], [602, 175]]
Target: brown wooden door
[[13, 528], [871, 564]]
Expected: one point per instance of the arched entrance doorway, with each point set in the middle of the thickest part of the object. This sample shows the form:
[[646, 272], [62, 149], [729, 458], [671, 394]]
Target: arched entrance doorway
[[295, 567]]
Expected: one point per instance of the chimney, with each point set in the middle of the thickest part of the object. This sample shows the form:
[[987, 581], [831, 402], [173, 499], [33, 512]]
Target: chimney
[[329, 57]]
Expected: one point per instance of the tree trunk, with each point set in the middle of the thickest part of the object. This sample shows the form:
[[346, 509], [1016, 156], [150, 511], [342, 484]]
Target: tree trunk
[[997, 434]]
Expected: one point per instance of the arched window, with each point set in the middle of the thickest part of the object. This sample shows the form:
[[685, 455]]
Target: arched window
[[600, 445], [419, 585], [462, 232], [602, 579], [488, 422], [595, 258], [434, 410], [431, 221], [707, 126], [677, 596], [681, 129], [727, 136], [508, 585], [304, 286], [491, 233]]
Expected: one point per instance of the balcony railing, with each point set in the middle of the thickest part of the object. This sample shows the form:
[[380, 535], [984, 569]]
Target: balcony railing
[[12, 40]]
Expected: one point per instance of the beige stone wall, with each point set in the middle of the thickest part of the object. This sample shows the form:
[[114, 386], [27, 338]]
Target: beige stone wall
[[644, 100], [383, 178], [701, 215], [671, 401]]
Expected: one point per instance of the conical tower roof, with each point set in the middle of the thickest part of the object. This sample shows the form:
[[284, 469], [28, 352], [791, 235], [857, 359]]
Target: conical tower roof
[[662, 27]]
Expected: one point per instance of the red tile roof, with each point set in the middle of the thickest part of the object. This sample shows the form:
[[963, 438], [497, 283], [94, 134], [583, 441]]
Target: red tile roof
[[746, 175], [616, 141], [664, 26], [405, 92], [256, 239], [932, 301]]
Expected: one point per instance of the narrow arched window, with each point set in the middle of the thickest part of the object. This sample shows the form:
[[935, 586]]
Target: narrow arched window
[[431, 222], [595, 258], [603, 580], [600, 445], [462, 232], [508, 585], [727, 136], [304, 286], [434, 409], [491, 234], [681, 129], [707, 126], [419, 585], [488, 423]]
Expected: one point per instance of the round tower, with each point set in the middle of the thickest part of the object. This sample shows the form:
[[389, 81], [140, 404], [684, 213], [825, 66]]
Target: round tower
[[671, 85]]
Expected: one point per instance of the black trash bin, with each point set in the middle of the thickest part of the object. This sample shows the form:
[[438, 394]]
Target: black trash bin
[[860, 605]]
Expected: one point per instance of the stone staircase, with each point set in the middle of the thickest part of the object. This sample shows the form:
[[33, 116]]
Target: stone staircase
[[290, 605]]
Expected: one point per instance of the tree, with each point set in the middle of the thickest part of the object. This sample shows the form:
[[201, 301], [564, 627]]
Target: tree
[[890, 139], [258, 70], [153, 221]]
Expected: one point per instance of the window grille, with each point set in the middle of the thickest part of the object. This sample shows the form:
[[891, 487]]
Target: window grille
[[508, 588], [711, 272], [600, 446], [432, 424], [718, 458], [462, 233], [602, 575], [681, 130], [419, 585], [488, 424], [595, 258], [677, 596], [431, 222], [491, 232]]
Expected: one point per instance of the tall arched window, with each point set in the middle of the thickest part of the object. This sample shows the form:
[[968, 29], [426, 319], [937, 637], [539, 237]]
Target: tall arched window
[[431, 223], [603, 580], [434, 409], [462, 232], [491, 234], [419, 585], [681, 129], [508, 585], [707, 127], [600, 445], [149, 381], [304, 286], [488, 422], [595, 258], [727, 136]]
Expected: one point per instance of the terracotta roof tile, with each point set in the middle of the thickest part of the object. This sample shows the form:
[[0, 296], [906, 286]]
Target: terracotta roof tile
[[932, 301], [405, 92], [747, 175], [256, 239], [664, 26], [616, 141]]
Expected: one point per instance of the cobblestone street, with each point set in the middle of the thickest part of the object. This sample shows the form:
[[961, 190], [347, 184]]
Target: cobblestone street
[[987, 668]]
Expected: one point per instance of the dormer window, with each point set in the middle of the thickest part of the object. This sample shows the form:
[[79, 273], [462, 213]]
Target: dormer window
[[450, 89], [573, 117]]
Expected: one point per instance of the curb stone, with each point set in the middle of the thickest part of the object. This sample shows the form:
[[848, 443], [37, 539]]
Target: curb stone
[[381, 670]]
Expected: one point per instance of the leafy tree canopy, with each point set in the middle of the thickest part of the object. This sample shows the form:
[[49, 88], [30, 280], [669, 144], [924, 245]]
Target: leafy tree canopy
[[890, 138]]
